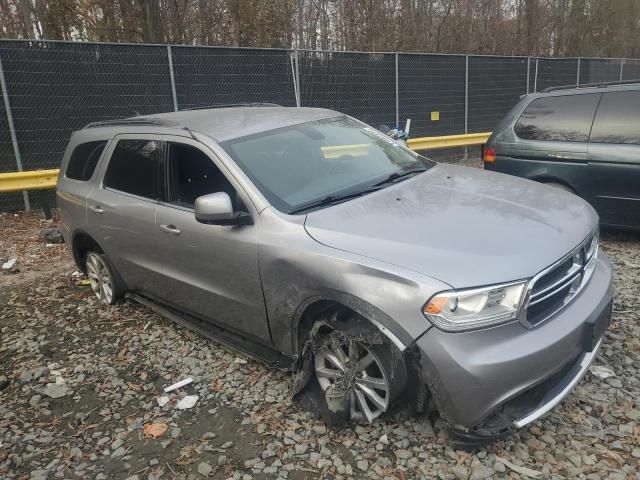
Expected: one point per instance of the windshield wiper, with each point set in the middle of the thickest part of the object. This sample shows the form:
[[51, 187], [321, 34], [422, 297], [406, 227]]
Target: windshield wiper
[[397, 175], [333, 199]]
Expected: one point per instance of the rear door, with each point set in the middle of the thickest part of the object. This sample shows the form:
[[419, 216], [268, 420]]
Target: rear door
[[614, 158], [210, 271], [74, 183], [121, 210], [552, 134]]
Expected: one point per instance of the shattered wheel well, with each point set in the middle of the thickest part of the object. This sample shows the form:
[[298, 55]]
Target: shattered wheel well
[[317, 311]]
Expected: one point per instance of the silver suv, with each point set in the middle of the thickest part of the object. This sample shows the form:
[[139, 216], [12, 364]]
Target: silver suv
[[319, 245]]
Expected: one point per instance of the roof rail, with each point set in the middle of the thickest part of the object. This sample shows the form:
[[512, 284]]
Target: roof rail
[[232, 105], [590, 85], [131, 121]]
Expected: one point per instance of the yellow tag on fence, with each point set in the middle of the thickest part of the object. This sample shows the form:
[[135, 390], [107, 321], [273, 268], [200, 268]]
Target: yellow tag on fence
[[435, 116]]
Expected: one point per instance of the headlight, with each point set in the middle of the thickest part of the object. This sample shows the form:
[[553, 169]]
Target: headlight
[[478, 307]]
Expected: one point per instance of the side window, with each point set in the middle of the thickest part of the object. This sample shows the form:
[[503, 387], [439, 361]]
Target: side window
[[558, 119], [618, 118], [191, 174], [134, 168], [84, 159]]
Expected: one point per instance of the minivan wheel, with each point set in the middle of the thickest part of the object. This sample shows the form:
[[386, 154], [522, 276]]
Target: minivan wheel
[[365, 374], [101, 278]]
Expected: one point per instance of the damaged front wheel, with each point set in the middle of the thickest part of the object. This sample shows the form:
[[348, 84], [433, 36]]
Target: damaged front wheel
[[359, 376]]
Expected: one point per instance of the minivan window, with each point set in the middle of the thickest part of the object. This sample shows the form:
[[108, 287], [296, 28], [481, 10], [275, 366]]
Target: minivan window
[[618, 118], [191, 174], [134, 168], [84, 159], [304, 163], [564, 118]]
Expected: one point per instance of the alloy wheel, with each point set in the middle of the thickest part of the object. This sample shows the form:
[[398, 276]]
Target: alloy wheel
[[100, 278], [368, 386]]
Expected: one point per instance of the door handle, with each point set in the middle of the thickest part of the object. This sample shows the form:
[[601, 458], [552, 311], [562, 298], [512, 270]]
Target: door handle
[[172, 229], [96, 208]]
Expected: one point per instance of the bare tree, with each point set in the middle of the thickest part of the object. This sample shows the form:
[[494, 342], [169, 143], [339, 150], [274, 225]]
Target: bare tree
[[530, 27]]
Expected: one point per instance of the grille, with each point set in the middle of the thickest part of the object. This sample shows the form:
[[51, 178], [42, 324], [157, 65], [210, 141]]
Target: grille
[[555, 287]]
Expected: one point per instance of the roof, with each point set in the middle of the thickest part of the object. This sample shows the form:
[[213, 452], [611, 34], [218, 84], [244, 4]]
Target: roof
[[589, 88], [226, 123]]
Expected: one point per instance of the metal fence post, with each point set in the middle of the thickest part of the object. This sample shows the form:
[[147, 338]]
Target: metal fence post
[[621, 68], [397, 96], [466, 100], [12, 132], [535, 79], [528, 73], [578, 73], [299, 99], [295, 74], [173, 80]]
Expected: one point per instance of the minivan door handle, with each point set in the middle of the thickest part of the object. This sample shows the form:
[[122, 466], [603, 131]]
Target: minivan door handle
[[96, 208], [172, 229]]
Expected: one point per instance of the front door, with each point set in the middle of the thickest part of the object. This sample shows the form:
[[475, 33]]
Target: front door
[[210, 270]]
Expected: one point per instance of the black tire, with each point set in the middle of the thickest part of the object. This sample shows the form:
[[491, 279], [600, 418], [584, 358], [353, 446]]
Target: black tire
[[373, 379], [105, 281]]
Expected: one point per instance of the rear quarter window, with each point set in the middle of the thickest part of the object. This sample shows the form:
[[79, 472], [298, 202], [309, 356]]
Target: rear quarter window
[[566, 118], [618, 119], [84, 159]]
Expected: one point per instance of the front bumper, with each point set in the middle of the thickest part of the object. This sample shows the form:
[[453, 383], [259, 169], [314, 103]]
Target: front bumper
[[489, 381]]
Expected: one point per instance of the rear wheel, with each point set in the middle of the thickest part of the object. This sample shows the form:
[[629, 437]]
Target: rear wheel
[[362, 368], [103, 282]]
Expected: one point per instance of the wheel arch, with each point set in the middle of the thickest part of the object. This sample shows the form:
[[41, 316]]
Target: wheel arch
[[554, 179], [81, 243], [313, 308]]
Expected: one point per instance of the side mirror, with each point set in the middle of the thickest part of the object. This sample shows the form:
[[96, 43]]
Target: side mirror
[[217, 209]]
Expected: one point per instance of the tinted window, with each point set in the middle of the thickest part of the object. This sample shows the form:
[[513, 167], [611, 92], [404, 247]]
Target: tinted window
[[558, 119], [193, 174], [84, 159], [134, 168], [618, 118]]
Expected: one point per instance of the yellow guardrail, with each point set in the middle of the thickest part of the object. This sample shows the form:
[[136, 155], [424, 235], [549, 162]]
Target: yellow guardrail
[[30, 180], [448, 141], [45, 179], [336, 151]]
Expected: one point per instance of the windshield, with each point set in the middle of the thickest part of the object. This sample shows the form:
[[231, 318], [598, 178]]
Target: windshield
[[302, 164]]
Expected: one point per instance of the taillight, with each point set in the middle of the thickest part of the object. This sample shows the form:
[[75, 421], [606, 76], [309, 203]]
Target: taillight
[[489, 154]]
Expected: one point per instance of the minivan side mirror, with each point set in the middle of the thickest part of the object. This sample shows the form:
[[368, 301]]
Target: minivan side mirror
[[217, 209]]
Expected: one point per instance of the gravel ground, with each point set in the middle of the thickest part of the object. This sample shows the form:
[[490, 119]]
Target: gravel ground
[[80, 382]]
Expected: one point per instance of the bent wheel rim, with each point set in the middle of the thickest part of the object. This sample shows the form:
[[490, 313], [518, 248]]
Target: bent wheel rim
[[369, 393], [100, 278]]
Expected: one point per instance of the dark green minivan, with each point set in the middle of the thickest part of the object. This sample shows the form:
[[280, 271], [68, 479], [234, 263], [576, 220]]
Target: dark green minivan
[[585, 140]]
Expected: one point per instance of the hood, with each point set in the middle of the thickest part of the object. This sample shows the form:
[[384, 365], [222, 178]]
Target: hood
[[464, 226]]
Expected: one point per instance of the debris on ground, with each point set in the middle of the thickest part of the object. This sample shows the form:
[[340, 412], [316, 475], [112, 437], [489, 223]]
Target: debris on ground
[[52, 235], [187, 402], [10, 266], [177, 385], [155, 430], [601, 371]]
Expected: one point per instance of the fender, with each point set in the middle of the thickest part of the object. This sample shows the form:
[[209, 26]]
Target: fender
[[369, 312]]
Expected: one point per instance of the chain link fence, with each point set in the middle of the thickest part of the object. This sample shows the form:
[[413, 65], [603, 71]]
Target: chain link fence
[[53, 88], [359, 84]]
